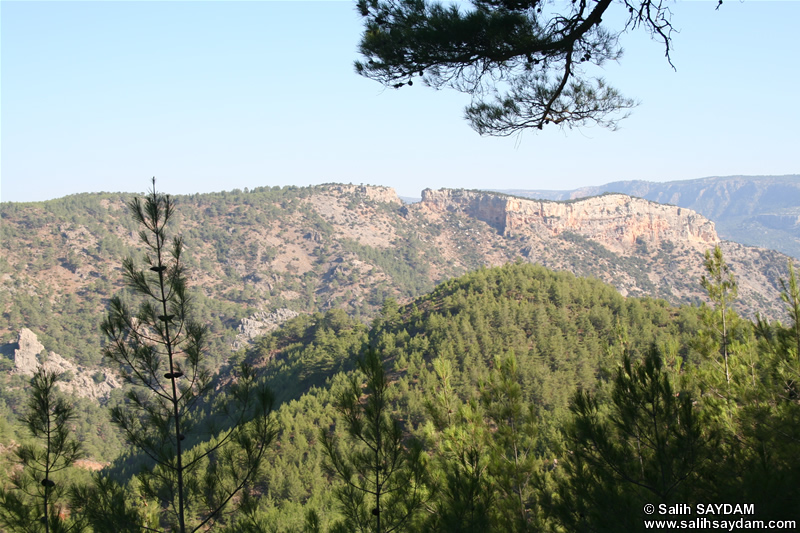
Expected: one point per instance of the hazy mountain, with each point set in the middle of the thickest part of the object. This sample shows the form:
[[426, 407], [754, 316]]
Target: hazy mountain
[[754, 210]]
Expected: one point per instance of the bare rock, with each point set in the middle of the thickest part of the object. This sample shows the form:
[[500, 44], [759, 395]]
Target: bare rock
[[80, 381], [381, 194], [25, 357], [617, 221], [314, 236], [488, 207], [261, 323], [375, 193]]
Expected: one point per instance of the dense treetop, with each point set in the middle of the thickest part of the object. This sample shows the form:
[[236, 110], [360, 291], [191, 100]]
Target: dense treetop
[[555, 361]]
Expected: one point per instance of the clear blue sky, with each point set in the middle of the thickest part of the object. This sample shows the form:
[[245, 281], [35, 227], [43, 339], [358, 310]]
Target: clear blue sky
[[209, 96]]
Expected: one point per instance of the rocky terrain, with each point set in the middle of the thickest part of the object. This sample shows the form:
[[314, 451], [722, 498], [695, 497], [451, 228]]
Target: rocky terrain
[[306, 258], [260, 257], [639, 246], [261, 323], [756, 210], [616, 221], [80, 381]]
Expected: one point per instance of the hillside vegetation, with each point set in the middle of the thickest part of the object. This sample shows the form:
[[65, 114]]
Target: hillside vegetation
[[514, 398], [515, 393], [443, 350], [267, 254], [257, 258], [521, 387]]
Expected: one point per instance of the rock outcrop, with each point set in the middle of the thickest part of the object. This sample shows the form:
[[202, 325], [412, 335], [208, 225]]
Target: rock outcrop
[[488, 207], [80, 381], [757, 210], [25, 357], [261, 323], [375, 193], [617, 221]]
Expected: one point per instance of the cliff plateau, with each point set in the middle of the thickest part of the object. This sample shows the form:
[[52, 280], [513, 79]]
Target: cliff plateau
[[756, 210], [617, 221]]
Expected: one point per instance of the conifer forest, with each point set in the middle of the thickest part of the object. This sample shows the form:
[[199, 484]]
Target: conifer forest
[[511, 398]]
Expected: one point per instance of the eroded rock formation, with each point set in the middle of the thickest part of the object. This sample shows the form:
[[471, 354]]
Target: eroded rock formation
[[25, 357], [80, 381], [617, 221], [375, 193], [261, 323]]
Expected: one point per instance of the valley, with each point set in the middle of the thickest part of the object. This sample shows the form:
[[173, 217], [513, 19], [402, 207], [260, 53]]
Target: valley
[[476, 302]]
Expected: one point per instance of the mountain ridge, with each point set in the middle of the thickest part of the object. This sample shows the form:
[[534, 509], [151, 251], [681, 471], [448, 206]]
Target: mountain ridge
[[754, 210], [614, 219], [257, 259], [261, 256]]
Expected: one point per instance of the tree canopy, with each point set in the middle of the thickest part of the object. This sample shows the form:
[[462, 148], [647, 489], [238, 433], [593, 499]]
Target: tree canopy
[[526, 63]]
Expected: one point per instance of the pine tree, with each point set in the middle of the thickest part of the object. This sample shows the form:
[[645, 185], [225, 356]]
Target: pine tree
[[521, 61], [160, 351], [770, 417], [722, 290], [513, 462], [383, 474], [648, 446], [458, 432], [34, 504], [783, 343], [106, 506], [729, 370]]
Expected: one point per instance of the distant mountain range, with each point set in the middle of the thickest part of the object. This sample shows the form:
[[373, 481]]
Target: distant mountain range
[[753, 210]]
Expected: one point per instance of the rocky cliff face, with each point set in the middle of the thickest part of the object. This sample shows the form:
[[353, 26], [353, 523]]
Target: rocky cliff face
[[617, 221], [78, 380], [261, 323], [755, 210], [490, 208]]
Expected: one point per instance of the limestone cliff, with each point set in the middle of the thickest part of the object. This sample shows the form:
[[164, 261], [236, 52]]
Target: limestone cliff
[[756, 210], [617, 221], [79, 380], [25, 357]]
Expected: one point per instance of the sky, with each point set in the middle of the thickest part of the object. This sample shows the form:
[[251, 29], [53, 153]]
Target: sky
[[211, 96]]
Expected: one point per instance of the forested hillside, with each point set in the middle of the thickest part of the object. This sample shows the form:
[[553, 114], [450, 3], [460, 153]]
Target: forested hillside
[[257, 258], [520, 387], [269, 253], [442, 352]]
